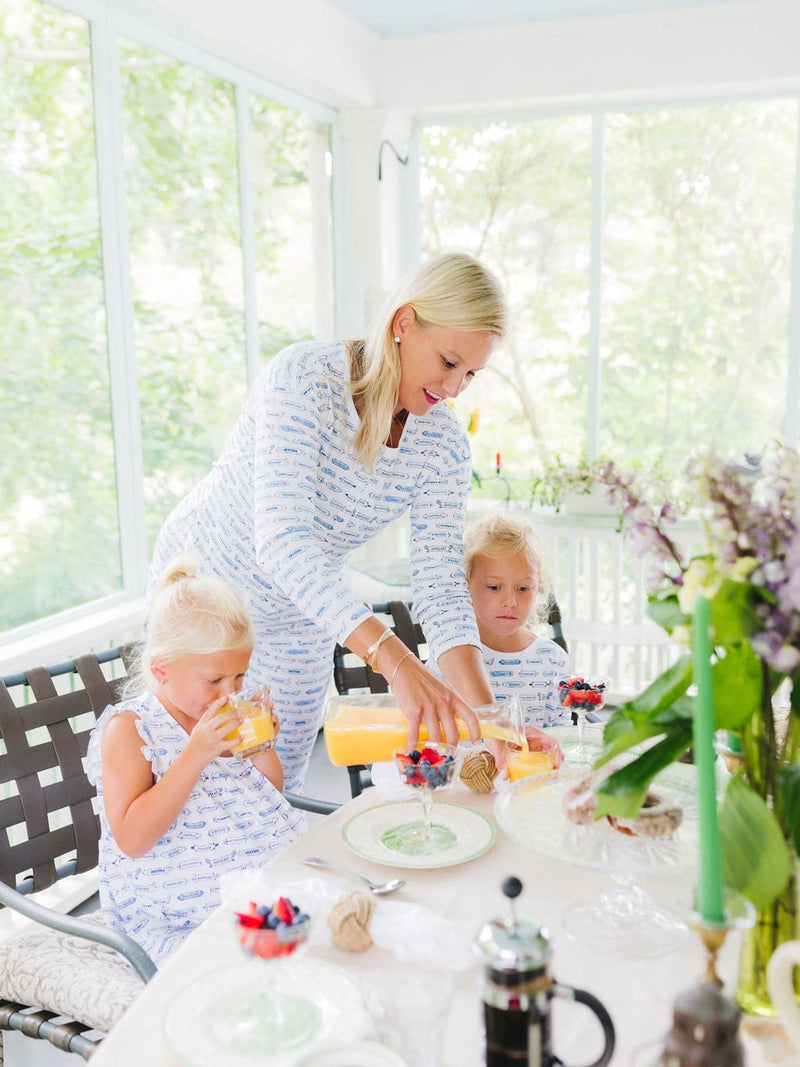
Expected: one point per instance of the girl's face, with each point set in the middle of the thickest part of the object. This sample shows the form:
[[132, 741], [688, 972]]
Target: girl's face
[[189, 684], [436, 364], [503, 590]]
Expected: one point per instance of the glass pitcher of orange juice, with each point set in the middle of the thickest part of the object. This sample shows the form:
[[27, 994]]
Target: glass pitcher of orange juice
[[368, 728]]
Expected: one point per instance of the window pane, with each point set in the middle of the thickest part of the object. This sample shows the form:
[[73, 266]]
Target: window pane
[[697, 261], [186, 263], [518, 197], [283, 144], [59, 538]]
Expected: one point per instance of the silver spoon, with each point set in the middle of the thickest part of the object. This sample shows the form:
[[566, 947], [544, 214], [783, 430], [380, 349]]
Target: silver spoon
[[379, 888]]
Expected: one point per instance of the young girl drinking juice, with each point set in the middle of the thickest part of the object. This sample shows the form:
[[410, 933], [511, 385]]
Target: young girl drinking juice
[[178, 809]]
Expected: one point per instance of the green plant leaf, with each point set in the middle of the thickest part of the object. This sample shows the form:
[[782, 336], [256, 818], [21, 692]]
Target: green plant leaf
[[662, 692], [732, 609], [756, 860], [789, 795], [664, 609], [623, 792], [736, 680]]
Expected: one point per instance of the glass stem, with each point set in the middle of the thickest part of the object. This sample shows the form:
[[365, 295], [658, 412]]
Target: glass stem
[[426, 796]]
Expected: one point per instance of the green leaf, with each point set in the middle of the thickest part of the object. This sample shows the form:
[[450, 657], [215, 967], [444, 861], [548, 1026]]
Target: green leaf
[[624, 791], [789, 795], [732, 609], [756, 860], [663, 691], [736, 680], [666, 611]]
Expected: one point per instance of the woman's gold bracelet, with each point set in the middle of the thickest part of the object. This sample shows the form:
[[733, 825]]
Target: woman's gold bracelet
[[398, 666], [371, 655]]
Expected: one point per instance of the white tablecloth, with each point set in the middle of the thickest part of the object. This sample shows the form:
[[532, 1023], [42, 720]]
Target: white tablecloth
[[639, 993]]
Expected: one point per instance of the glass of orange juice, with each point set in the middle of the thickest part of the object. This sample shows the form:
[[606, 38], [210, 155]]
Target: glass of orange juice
[[520, 763], [256, 731]]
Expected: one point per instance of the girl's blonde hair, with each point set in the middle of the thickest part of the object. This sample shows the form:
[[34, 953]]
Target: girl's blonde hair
[[453, 291], [505, 534], [190, 615]]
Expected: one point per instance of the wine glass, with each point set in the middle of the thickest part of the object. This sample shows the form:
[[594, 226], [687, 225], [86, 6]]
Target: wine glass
[[425, 770], [583, 695]]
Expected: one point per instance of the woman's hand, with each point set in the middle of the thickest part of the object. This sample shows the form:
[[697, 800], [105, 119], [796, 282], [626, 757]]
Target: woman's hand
[[424, 697]]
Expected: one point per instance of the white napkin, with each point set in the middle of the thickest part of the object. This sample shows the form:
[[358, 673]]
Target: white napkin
[[411, 932]]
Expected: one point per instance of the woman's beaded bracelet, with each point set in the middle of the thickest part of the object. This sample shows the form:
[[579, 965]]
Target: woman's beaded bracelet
[[371, 655], [398, 666]]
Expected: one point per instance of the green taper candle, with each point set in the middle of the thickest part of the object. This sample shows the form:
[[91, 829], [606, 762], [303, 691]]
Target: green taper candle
[[709, 894]]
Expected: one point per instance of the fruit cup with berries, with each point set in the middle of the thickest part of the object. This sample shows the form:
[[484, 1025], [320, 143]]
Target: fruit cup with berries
[[425, 770], [582, 695], [272, 930]]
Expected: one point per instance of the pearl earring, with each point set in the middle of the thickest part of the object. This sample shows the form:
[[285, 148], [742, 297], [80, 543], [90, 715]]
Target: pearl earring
[[397, 340]]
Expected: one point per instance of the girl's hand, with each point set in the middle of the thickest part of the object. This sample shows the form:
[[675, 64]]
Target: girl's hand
[[538, 741], [210, 735], [424, 697]]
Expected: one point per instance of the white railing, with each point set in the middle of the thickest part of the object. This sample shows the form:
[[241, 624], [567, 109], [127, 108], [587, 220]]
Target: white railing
[[600, 585]]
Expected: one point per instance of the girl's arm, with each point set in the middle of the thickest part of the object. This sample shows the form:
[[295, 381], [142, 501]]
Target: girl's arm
[[268, 762], [139, 810]]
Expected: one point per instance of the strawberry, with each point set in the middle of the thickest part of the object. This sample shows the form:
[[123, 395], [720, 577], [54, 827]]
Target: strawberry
[[283, 909], [249, 919], [431, 755]]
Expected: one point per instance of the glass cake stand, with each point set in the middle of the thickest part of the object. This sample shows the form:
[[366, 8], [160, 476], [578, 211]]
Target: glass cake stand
[[623, 919]]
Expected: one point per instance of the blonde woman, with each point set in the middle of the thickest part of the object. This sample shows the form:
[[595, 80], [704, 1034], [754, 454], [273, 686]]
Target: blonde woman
[[335, 441], [177, 808]]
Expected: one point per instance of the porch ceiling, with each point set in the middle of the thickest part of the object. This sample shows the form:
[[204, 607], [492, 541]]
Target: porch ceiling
[[401, 18]]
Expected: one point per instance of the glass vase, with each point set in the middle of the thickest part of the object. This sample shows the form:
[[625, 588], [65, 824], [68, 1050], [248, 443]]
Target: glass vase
[[773, 926]]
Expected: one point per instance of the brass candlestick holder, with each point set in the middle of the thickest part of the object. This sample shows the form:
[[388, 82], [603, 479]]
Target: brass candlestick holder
[[705, 1027]]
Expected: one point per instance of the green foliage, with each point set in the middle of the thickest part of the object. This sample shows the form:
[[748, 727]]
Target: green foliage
[[755, 859]]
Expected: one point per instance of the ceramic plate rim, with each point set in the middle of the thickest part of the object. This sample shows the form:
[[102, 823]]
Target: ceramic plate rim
[[388, 1057], [265, 970], [422, 862]]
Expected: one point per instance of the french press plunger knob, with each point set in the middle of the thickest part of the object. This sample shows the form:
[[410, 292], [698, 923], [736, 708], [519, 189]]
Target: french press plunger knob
[[517, 989]]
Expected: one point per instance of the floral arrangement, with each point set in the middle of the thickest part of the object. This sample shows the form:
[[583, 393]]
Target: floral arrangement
[[749, 570], [560, 477]]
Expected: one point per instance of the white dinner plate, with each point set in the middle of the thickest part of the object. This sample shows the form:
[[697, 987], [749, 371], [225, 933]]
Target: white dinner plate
[[531, 813], [264, 1013], [367, 833]]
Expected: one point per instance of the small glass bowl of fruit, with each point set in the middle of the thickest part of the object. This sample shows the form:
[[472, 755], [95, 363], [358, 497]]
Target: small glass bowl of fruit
[[272, 930], [425, 770]]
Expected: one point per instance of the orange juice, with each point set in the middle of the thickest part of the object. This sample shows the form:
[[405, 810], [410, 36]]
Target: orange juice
[[256, 730], [520, 764], [369, 729]]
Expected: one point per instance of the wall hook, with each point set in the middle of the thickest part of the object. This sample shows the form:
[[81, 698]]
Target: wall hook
[[402, 160]]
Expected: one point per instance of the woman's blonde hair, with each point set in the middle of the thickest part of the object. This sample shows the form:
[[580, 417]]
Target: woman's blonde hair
[[190, 615], [453, 291], [506, 534]]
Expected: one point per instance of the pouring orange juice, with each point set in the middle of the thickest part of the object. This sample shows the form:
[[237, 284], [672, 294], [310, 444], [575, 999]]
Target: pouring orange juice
[[367, 729]]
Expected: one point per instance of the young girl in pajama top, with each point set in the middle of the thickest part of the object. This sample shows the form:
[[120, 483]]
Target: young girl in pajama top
[[177, 808], [503, 563], [334, 442]]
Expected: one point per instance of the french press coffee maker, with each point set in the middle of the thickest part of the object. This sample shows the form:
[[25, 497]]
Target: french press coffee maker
[[517, 990]]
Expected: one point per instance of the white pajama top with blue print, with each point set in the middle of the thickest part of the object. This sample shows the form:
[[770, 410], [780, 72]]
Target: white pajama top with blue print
[[533, 675], [234, 818], [288, 501]]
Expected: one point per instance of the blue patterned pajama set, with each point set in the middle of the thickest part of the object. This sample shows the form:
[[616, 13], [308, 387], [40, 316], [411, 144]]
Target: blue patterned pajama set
[[288, 501], [234, 818]]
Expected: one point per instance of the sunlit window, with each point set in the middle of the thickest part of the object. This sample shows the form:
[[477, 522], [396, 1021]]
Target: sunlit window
[[693, 235], [59, 536]]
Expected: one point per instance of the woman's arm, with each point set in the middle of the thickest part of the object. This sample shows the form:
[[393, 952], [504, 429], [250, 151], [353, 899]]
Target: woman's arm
[[139, 810], [422, 696]]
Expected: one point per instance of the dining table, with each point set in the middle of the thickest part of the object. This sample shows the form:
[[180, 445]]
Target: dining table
[[639, 991]]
